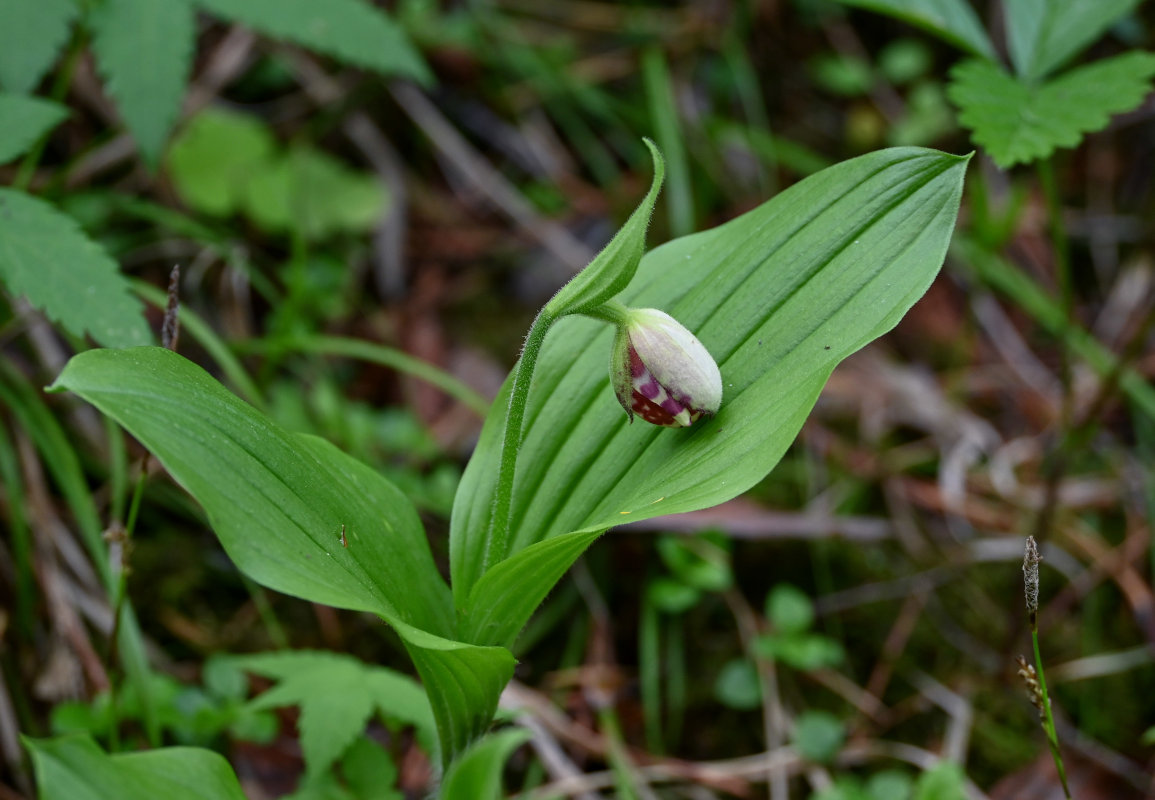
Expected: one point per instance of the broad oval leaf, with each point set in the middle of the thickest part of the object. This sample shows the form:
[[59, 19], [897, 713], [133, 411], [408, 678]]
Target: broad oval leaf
[[75, 768], [276, 500], [779, 296]]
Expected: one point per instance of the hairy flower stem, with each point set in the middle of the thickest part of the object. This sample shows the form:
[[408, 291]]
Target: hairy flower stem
[[499, 534], [611, 311], [497, 537]]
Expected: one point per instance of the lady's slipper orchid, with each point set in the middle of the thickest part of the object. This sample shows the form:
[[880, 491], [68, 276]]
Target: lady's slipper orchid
[[661, 371]]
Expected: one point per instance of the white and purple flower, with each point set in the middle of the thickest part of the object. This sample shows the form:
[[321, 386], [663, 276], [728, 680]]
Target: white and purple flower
[[661, 371]]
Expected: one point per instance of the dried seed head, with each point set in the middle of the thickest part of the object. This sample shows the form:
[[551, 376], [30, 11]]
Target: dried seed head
[[1031, 559], [170, 329], [1031, 679]]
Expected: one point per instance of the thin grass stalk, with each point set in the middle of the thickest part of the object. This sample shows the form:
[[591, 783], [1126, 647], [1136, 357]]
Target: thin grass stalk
[[1036, 679]]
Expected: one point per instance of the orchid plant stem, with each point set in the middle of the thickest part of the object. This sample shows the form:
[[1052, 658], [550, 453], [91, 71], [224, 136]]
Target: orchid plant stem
[[611, 311], [499, 535], [497, 539]]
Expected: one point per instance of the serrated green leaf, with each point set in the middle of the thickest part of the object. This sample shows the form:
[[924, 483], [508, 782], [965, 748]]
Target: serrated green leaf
[[31, 35], [953, 21], [370, 772], [23, 120], [75, 768], [779, 296], [1043, 34], [333, 693], [399, 697], [144, 51], [350, 30], [259, 727], [477, 774], [320, 787], [614, 267], [45, 257], [1019, 123]]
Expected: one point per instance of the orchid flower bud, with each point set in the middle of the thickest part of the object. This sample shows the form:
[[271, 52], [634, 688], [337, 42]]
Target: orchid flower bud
[[661, 371]]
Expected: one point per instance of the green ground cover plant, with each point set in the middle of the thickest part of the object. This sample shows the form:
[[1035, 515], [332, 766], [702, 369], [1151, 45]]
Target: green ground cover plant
[[683, 246]]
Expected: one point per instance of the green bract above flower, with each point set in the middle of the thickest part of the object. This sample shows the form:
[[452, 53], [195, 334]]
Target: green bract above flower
[[661, 371]]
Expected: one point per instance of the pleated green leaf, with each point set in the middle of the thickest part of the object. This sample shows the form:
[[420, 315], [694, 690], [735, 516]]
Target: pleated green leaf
[[277, 500], [75, 768], [279, 503], [779, 296], [498, 605], [464, 683]]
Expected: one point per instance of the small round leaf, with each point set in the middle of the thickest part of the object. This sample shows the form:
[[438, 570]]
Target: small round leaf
[[737, 685], [818, 735]]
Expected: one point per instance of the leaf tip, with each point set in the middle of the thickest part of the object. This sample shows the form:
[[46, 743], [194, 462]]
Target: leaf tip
[[659, 163], [60, 385]]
